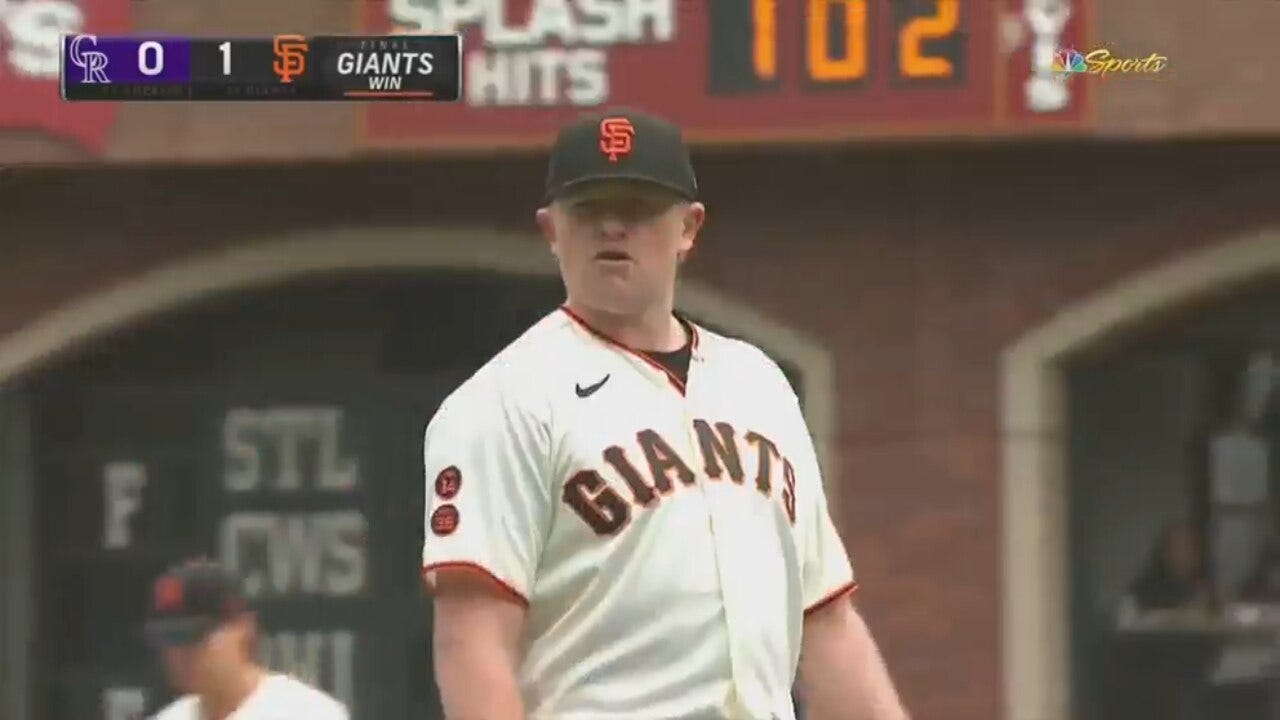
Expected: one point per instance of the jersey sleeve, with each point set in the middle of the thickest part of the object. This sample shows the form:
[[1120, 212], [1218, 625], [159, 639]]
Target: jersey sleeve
[[338, 711], [826, 572], [330, 708], [488, 505]]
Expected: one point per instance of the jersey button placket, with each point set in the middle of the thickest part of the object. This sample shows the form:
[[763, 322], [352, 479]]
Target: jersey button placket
[[721, 529]]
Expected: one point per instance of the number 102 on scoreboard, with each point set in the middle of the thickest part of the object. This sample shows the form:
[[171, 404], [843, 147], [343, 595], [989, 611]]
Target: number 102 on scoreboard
[[835, 46]]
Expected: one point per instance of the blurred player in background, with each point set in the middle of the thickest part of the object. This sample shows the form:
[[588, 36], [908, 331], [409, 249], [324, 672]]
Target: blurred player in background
[[208, 639], [626, 518]]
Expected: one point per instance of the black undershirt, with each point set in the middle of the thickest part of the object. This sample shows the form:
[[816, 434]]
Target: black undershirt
[[676, 361]]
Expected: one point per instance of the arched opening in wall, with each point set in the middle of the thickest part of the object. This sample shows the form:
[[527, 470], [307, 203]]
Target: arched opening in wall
[[1174, 495], [1041, 653], [278, 428]]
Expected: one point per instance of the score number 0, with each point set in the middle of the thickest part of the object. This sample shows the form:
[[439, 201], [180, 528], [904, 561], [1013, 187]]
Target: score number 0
[[822, 63], [150, 58]]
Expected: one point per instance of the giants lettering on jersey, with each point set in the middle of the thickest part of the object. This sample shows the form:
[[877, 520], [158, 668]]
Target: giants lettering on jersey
[[607, 512]]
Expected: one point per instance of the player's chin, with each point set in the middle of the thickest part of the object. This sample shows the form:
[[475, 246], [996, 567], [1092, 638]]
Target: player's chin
[[613, 267], [610, 280], [616, 295]]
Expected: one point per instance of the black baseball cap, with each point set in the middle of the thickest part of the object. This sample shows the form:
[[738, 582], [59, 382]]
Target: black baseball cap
[[620, 144], [191, 600]]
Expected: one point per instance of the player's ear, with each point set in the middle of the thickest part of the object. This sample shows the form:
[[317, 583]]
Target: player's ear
[[547, 225], [695, 214]]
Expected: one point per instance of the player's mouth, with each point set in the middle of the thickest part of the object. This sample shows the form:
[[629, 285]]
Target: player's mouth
[[612, 256]]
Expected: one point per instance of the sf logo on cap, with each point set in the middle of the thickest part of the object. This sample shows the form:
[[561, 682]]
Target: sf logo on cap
[[615, 137]]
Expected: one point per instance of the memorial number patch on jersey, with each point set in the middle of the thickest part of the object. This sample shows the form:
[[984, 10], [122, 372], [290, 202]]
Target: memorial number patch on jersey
[[448, 483], [445, 520]]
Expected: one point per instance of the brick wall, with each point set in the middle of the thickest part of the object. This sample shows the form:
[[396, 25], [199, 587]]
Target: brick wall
[[918, 266]]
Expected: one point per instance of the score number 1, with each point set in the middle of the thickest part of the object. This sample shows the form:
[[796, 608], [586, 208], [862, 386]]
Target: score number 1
[[844, 57], [225, 49]]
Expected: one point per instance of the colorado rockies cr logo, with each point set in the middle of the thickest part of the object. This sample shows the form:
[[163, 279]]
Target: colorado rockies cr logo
[[93, 62]]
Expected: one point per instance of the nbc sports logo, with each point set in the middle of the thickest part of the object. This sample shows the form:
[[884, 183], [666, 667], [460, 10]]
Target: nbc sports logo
[[1069, 61], [1103, 62]]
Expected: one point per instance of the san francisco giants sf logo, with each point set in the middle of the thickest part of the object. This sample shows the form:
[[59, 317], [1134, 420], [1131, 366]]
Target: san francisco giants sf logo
[[291, 57], [615, 137]]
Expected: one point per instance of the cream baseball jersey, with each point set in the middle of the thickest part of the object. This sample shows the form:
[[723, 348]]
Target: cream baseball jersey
[[666, 537], [278, 697]]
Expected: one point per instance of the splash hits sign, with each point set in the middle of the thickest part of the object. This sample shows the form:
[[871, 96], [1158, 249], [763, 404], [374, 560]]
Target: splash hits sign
[[726, 70], [30, 47], [558, 54]]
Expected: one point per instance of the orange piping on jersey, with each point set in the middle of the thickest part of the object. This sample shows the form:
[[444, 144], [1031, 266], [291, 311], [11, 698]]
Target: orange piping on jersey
[[842, 591], [675, 381], [479, 570]]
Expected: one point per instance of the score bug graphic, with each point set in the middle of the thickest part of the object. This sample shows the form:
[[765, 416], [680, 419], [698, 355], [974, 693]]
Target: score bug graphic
[[281, 67]]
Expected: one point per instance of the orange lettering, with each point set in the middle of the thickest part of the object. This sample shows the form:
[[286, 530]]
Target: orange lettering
[[764, 45], [823, 63], [912, 62]]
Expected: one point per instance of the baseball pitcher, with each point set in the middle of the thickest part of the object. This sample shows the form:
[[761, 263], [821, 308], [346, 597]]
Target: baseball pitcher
[[625, 514]]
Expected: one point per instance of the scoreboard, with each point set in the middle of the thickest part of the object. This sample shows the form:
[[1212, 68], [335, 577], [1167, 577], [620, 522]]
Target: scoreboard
[[739, 71], [735, 71], [283, 67]]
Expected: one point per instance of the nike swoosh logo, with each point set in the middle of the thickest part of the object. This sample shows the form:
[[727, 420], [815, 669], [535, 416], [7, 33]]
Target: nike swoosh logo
[[590, 390]]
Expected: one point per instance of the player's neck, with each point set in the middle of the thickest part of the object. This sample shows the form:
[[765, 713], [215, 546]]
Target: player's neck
[[656, 329], [220, 702]]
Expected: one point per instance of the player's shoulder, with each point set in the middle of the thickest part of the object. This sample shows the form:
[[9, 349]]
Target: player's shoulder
[[516, 375], [290, 693], [742, 359], [183, 708]]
